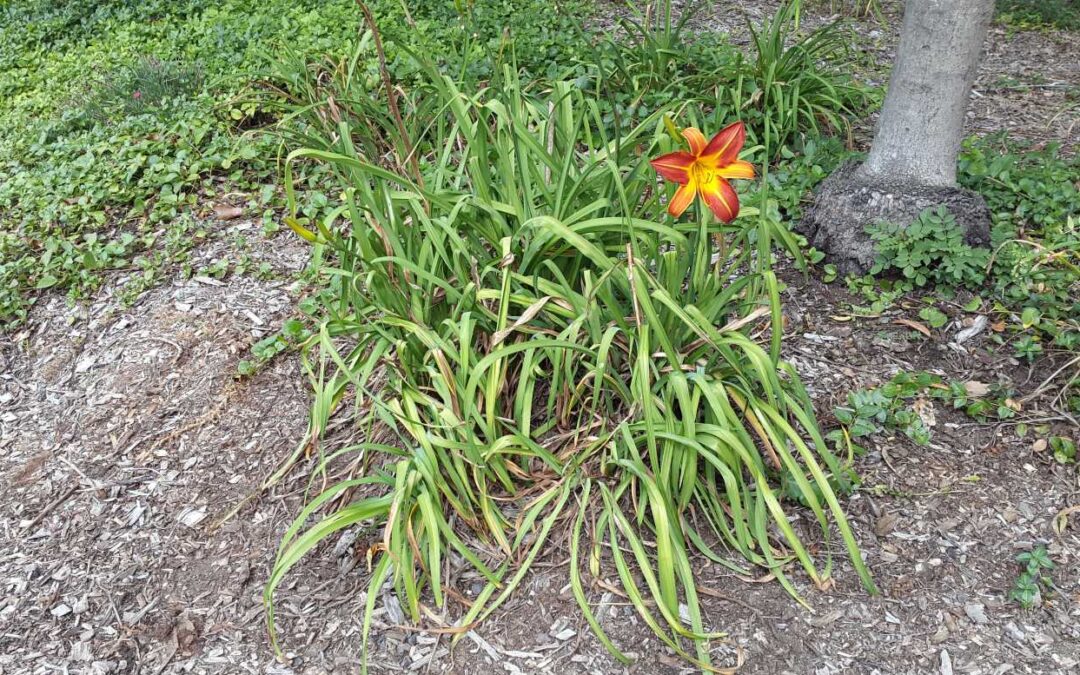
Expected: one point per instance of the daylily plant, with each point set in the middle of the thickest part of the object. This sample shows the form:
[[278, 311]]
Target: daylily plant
[[705, 169]]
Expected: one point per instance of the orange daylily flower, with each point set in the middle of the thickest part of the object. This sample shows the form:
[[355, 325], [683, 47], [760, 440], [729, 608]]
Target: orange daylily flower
[[704, 170]]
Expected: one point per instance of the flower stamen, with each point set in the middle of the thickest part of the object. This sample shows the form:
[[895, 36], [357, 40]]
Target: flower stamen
[[703, 172]]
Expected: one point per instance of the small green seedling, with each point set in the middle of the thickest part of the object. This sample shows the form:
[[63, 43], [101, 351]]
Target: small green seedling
[[1029, 585]]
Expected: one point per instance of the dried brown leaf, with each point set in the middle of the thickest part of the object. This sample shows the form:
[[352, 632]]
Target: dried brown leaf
[[924, 408], [226, 212], [1061, 520], [921, 327], [886, 524]]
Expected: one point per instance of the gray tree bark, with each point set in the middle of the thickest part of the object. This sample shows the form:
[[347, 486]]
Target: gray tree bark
[[912, 160]]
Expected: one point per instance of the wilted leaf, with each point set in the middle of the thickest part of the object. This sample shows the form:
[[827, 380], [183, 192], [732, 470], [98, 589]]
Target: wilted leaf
[[924, 408], [192, 517], [826, 619], [976, 612], [915, 325], [226, 212], [528, 315], [976, 389], [299, 229], [672, 130], [978, 325], [1061, 520], [186, 634], [940, 635], [886, 524]]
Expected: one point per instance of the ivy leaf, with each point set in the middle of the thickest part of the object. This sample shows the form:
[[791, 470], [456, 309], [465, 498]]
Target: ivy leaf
[[1030, 317], [934, 316], [46, 281]]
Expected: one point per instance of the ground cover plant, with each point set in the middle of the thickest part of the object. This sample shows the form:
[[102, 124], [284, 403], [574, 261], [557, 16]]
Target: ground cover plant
[[530, 344], [1028, 279], [118, 117], [894, 406], [1033, 580], [1064, 14]]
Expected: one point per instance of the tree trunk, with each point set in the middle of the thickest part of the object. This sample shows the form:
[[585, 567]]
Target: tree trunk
[[912, 161]]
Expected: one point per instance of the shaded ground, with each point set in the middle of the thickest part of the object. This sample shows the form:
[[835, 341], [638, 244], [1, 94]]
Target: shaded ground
[[1028, 83], [124, 436]]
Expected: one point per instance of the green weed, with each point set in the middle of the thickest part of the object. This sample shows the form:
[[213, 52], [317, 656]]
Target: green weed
[[788, 84], [95, 167], [1031, 273], [294, 332], [856, 8], [152, 138], [888, 407], [1064, 449], [799, 81], [931, 250], [1033, 579]]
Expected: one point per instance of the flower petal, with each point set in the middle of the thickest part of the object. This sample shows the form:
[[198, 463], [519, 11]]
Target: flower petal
[[674, 166], [737, 169], [721, 199], [682, 199], [724, 147], [695, 138]]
